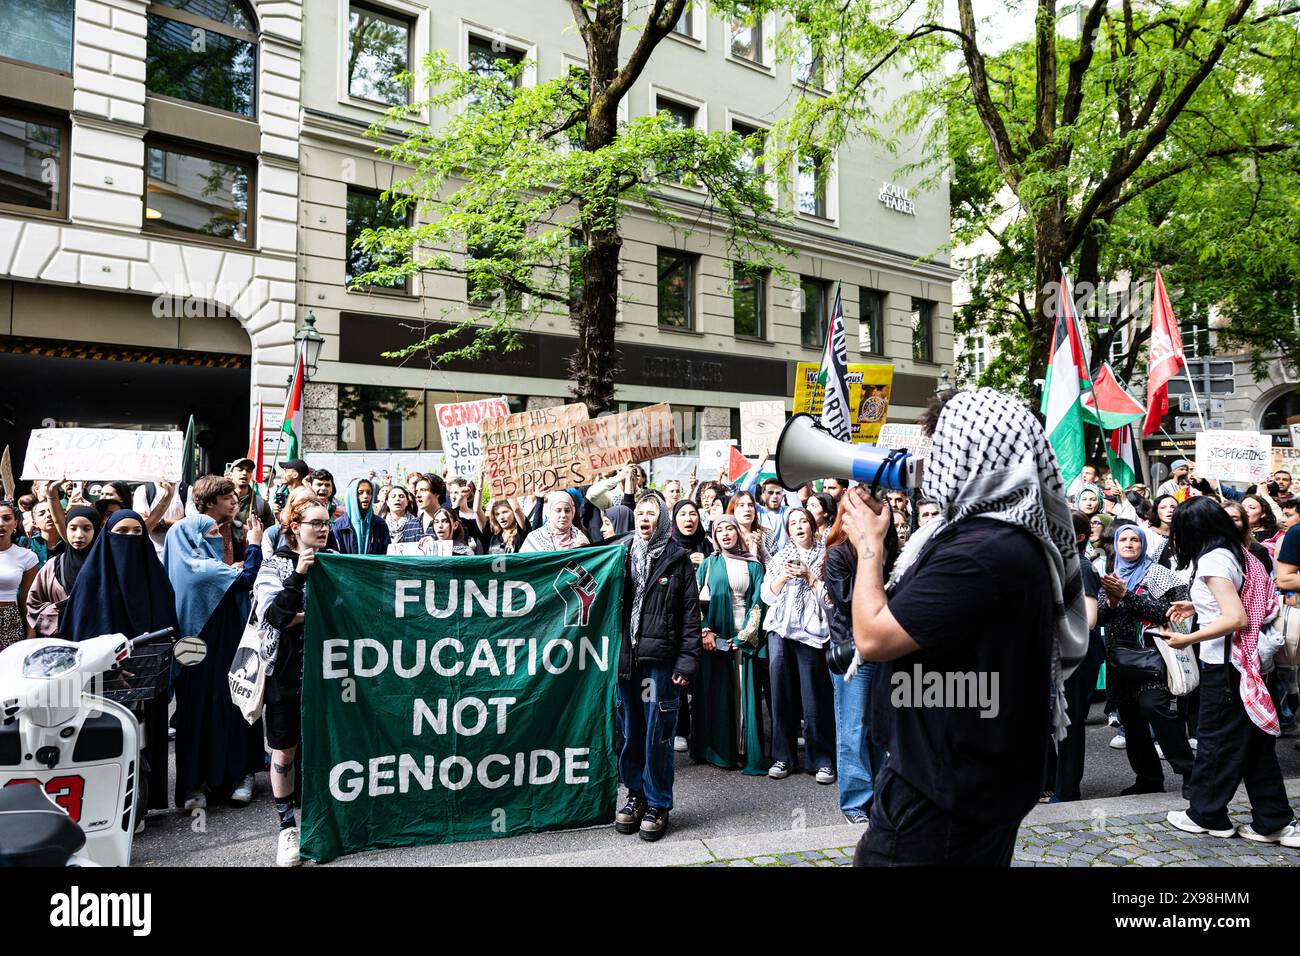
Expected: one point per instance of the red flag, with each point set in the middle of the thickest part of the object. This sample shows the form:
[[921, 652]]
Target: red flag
[[255, 447], [1164, 358], [739, 464]]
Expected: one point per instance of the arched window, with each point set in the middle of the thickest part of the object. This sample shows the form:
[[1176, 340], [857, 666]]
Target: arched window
[[1275, 417], [205, 52]]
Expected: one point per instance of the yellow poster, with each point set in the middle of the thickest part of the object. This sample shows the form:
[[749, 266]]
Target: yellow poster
[[869, 387]]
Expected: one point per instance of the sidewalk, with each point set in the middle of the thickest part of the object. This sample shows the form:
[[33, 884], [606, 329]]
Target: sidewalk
[[1120, 831]]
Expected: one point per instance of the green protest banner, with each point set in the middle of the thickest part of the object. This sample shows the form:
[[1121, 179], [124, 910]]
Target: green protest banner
[[449, 699]]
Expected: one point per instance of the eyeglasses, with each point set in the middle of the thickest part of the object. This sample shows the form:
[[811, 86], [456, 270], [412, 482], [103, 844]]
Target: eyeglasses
[[318, 525]]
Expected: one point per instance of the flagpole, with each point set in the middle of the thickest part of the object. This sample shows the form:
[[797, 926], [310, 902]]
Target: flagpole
[[279, 434], [1078, 328], [830, 330]]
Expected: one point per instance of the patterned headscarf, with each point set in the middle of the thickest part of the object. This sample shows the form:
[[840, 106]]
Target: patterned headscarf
[[738, 551], [991, 460]]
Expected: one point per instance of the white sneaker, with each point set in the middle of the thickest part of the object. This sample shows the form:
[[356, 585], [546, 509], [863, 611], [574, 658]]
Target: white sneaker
[[244, 792], [1289, 835], [287, 852], [825, 775], [1160, 752], [1118, 742], [680, 745], [1191, 742], [1181, 821], [197, 800]]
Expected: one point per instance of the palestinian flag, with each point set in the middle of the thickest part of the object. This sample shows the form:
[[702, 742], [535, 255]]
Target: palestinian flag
[[1067, 378], [1121, 456], [1108, 404], [292, 423], [833, 378], [255, 446]]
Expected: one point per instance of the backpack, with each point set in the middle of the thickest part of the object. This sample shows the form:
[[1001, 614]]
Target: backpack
[[182, 491]]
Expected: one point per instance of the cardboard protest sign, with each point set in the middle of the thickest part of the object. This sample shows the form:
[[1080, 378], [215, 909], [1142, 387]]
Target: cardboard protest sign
[[1234, 456], [458, 423], [82, 454], [1287, 458], [714, 456], [760, 426], [869, 389], [907, 437], [550, 449], [7, 474], [445, 699], [1294, 428]]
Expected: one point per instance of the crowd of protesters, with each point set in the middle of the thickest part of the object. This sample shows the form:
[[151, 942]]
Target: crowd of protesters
[[753, 583]]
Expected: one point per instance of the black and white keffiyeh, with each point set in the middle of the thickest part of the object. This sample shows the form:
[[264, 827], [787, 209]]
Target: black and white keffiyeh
[[644, 554], [798, 590], [990, 459]]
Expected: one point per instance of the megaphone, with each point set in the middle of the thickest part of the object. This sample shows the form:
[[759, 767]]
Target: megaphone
[[806, 451]]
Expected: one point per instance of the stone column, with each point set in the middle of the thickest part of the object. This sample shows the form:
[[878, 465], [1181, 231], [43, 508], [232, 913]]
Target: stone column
[[715, 424], [320, 417]]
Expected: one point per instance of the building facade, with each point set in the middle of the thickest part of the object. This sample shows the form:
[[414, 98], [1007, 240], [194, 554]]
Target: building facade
[[148, 214], [688, 334]]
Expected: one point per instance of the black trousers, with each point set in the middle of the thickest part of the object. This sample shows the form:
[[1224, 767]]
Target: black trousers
[[1141, 704], [908, 829], [1230, 750], [1078, 693]]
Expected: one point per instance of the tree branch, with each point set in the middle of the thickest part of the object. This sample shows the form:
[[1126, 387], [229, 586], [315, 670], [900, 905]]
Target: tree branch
[[1079, 65], [1165, 174], [1004, 151], [663, 15]]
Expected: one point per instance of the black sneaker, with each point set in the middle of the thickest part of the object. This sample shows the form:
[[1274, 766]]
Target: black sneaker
[[654, 824], [1139, 787], [629, 818]]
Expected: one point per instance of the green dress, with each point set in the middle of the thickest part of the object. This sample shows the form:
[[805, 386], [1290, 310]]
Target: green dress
[[715, 737]]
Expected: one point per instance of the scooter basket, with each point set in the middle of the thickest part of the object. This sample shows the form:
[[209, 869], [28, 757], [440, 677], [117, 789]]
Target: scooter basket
[[143, 675]]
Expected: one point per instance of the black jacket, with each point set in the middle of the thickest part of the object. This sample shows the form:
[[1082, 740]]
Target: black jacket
[[670, 616]]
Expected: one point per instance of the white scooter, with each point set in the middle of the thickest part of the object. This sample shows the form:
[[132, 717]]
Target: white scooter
[[64, 743]]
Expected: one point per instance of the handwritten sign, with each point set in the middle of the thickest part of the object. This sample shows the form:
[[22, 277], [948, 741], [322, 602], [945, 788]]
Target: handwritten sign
[[550, 449], [1234, 456], [869, 390], [715, 455], [908, 437], [760, 426], [109, 453], [458, 423], [1286, 458]]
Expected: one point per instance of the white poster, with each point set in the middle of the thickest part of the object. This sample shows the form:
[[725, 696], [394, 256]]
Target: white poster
[[458, 423], [714, 456], [109, 454], [908, 437], [760, 427], [1234, 456]]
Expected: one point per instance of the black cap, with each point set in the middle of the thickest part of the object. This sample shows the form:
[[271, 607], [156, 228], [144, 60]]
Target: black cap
[[297, 465]]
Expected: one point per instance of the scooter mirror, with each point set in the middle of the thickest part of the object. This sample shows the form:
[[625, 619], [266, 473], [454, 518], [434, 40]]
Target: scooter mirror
[[189, 651]]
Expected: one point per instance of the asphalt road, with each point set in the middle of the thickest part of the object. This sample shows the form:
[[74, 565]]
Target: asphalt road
[[710, 803]]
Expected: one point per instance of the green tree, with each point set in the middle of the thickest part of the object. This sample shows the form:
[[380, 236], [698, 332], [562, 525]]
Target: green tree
[[1085, 153], [525, 188]]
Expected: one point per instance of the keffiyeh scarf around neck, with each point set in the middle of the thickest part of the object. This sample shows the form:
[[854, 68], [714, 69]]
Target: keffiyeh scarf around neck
[[991, 460], [644, 554], [798, 588]]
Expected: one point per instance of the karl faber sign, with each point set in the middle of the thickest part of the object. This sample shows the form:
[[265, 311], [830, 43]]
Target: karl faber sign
[[458, 698]]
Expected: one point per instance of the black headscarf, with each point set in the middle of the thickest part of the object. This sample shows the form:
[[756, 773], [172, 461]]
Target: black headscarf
[[122, 589], [696, 542], [70, 560]]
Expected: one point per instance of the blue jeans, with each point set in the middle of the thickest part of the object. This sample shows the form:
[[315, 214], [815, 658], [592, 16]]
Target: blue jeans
[[647, 712], [859, 760]]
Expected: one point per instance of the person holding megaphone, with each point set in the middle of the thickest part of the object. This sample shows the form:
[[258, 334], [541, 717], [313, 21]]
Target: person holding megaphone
[[983, 606]]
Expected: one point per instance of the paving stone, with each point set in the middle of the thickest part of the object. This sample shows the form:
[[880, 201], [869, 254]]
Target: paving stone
[[790, 859], [765, 860]]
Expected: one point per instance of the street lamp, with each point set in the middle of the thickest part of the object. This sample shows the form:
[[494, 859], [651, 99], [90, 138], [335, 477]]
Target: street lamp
[[944, 381], [310, 343]]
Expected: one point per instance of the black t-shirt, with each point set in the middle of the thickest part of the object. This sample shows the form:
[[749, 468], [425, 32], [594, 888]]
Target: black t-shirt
[[966, 718], [1288, 551]]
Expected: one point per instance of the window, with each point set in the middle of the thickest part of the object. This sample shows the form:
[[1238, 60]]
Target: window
[[208, 194], [367, 210], [978, 355], [203, 51], [808, 68], [1195, 333], [813, 312], [922, 330], [749, 301], [810, 187], [38, 32], [683, 114], [379, 48], [676, 289], [33, 161], [373, 417], [487, 60], [747, 36], [752, 160], [685, 24], [871, 326], [483, 289]]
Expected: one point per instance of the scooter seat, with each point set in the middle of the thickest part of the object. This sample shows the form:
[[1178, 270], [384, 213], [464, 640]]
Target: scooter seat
[[34, 830]]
